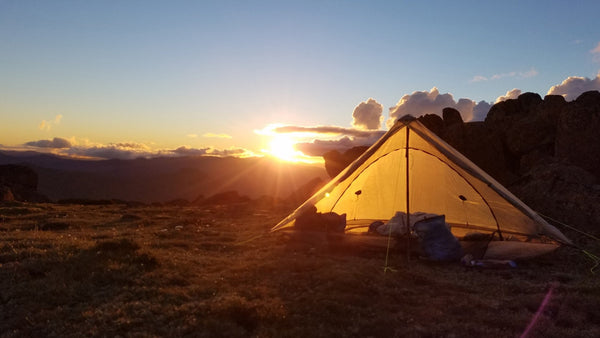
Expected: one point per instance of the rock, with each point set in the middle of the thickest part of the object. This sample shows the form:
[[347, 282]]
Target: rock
[[503, 114], [527, 127], [335, 161], [578, 133], [451, 116], [564, 192], [434, 123], [21, 182], [6, 195], [482, 146]]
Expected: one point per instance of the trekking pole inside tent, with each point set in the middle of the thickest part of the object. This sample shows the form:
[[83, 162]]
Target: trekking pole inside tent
[[357, 193], [463, 199]]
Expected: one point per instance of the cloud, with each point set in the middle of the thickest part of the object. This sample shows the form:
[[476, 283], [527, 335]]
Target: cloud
[[329, 130], [47, 125], [480, 110], [120, 150], [367, 115], [192, 135], [320, 147], [213, 135], [208, 151], [315, 141], [573, 86], [185, 151], [55, 143], [511, 94], [478, 78], [422, 102], [514, 74]]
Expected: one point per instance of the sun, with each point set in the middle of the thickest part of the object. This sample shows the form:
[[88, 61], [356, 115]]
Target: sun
[[282, 147]]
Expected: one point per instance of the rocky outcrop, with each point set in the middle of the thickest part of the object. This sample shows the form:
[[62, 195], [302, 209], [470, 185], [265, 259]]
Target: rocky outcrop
[[563, 192], [19, 183], [474, 140], [578, 133], [527, 127]]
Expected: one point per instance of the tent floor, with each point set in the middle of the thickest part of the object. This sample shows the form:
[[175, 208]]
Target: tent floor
[[479, 249]]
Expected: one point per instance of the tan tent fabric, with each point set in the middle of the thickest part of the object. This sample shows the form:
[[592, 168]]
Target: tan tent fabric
[[410, 169]]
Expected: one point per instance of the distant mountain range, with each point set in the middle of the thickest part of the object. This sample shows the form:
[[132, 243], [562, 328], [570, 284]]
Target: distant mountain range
[[163, 179]]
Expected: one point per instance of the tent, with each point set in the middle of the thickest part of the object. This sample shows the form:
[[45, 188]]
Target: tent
[[410, 169]]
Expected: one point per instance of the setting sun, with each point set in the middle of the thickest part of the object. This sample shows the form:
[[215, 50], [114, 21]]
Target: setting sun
[[282, 147]]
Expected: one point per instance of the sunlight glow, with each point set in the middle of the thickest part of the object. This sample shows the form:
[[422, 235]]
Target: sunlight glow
[[282, 147]]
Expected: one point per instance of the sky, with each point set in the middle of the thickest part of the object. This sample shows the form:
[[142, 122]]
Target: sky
[[124, 79]]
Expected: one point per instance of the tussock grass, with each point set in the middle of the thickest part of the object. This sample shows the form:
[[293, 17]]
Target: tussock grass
[[216, 271]]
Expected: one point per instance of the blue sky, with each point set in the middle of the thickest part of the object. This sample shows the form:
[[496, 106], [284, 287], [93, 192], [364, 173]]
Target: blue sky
[[143, 77]]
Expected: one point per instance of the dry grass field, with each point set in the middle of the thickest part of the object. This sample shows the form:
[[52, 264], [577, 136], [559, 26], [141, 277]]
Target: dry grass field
[[216, 271]]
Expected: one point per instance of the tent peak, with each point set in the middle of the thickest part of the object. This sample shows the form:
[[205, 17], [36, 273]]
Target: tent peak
[[407, 119]]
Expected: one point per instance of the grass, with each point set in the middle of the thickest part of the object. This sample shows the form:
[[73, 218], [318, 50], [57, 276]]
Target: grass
[[215, 271]]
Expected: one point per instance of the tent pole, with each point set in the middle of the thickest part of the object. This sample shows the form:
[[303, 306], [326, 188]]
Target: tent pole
[[407, 199]]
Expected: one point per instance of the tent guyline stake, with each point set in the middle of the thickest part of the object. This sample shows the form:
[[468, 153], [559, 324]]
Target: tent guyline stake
[[593, 257], [569, 227], [590, 255]]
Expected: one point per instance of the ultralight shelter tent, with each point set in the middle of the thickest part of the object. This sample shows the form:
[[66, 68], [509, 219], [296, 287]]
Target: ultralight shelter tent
[[410, 169]]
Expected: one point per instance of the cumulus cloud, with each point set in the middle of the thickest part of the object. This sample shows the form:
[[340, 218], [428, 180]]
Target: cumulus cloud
[[480, 110], [48, 124], [367, 115], [573, 86], [423, 102], [55, 143], [511, 94]]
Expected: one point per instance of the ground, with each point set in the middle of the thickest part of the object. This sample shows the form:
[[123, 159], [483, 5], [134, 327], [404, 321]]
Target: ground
[[216, 271]]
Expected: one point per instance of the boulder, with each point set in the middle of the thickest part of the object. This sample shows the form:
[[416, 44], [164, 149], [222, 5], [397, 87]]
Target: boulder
[[503, 114], [433, 122], [451, 116], [563, 192], [20, 182], [578, 133], [481, 145], [6, 194]]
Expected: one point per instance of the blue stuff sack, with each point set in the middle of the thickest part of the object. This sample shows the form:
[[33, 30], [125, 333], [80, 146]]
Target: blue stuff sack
[[436, 240]]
